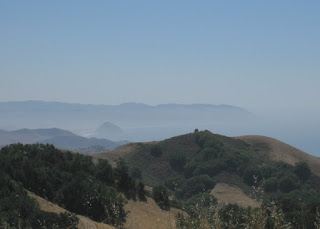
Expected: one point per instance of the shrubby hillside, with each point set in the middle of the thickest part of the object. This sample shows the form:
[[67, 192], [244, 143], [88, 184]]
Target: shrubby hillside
[[70, 180], [192, 172], [188, 167]]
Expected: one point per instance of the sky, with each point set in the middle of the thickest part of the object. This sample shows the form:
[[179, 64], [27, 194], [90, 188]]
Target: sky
[[251, 54]]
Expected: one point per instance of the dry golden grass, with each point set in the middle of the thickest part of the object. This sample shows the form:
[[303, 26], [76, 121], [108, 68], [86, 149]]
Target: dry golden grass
[[280, 151], [149, 215], [229, 194], [46, 205], [141, 215], [84, 222]]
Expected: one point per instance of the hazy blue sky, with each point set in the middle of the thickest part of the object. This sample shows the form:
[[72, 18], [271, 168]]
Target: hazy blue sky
[[244, 53]]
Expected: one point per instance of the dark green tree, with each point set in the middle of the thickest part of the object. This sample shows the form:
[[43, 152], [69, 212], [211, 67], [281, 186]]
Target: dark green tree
[[136, 173], [161, 197], [124, 181], [252, 175], [302, 170], [141, 191], [104, 172], [270, 185], [288, 183], [177, 161], [156, 151]]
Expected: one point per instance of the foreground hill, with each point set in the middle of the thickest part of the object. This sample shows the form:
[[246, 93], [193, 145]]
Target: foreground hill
[[69, 180], [64, 184], [265, 148], [62, 139], [220, 182], [194, 165]]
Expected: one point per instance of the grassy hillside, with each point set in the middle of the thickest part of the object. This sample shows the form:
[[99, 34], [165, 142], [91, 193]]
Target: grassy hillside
[[84, 222], [156, 169], [141, 214], [276, 150], [232, 169], [220, 182]]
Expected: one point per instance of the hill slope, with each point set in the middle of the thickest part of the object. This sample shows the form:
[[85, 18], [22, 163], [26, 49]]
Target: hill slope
[[140, 215], [60, 138], [149, 215], [183, 162], [276, 150], [84, 222]]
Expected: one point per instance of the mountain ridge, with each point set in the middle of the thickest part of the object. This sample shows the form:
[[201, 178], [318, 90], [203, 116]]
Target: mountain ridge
[[264, 150], [40, 103], [60, 138]]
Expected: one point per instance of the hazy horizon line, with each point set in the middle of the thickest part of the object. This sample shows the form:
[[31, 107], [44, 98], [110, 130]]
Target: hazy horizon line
[[118, 104]]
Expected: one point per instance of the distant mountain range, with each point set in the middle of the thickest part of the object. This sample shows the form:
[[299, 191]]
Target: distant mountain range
[[133, 121], [60, 138], [59, 106]]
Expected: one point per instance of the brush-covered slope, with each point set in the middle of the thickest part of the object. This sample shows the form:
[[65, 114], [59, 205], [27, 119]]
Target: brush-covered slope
[[67, 190], [69, 180], [194, 165], [260, 148], [141, 214], [83, 223], [160, 160]]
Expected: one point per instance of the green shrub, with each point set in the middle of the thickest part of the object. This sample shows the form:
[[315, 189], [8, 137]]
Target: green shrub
[[252, 175], [177, 161], [302, 170], [271, 184], [268, 171], [156, 151], [199, 202], [288, 182], [141, 191], [161, 197], [195, 185], [136, 173]]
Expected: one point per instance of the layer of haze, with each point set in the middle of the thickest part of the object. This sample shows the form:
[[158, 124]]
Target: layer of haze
[[262, 56]]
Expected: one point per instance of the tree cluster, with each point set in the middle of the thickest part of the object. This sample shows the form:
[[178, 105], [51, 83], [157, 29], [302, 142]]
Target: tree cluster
[[72, 180]]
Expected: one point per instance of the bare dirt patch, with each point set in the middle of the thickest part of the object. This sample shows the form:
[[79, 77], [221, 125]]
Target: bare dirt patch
[[229, 194], [149, 215]]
